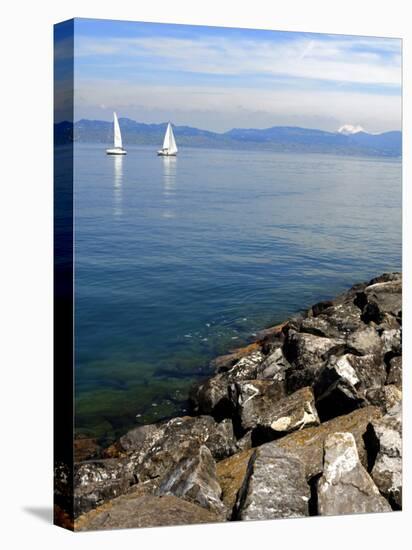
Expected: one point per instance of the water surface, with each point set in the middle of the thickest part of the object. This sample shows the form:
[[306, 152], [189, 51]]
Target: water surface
[[180, 259]]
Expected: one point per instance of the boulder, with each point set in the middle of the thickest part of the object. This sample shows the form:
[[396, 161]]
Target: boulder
[[307, 355], [131, 511], [101, 480], [274, 366], [261, 407], [182, 435], [392, 341], [275, 486], [212, 395], [381, 299], [194, 478], [335, 321], [386, 397], [387, 470], [231, 473], [307, 444], [345, 486], [395, 371], [365, 341], [224, 363]]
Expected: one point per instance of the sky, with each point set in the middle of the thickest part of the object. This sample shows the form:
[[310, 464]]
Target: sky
[[222, 78]]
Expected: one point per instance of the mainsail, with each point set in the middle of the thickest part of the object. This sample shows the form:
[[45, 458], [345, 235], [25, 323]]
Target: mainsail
[[169, 142], [117, 134]]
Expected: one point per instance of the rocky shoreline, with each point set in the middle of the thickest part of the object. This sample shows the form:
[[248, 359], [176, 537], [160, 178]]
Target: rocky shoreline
[[304, 421]]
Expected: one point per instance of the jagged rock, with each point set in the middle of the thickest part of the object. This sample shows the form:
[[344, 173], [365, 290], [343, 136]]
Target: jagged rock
[[200, 429], [130, 511], [212, 396], [386, 397], [381, 299], [231, 473], [307, 444], [335, 388], [180, 436], [274, 486], [370, 369], [365, 341], [262, 408], [392, 341], [101, 480], [226, 362], [395, 371], [345, 486], [307, 355], [387, 471], [194, 478], [335, 321], [274, 366]]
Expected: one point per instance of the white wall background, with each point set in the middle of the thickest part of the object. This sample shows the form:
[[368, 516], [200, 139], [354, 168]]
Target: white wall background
[[26, 270]]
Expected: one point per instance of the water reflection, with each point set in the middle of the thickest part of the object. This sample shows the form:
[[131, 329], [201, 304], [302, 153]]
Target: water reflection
[[118, 185], [169, 185]]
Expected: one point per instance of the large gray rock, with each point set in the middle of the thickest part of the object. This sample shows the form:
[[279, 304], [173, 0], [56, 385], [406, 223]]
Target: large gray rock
[[382, 299], [307, 355], [387, 470], [395, 371], [274, 366], [338, 320], [345, 486], [131, 511], [274, 486], [262, 406], [194, 478], [212, 395], [365, 341], [392, 340], [181, 435], [386, 397], [307, 444], [98, 481]]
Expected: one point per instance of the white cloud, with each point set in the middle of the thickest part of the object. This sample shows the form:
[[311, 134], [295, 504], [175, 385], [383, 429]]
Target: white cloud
[[358, 60]]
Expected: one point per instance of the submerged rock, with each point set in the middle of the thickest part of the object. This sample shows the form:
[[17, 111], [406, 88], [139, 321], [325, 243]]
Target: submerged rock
[[274, 486], [345, 486], [130, 511], [387, 470]]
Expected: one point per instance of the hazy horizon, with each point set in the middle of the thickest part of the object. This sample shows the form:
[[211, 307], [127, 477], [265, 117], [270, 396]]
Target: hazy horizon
[[222, 78]]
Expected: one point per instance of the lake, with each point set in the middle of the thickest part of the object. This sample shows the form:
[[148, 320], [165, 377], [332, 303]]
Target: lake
[[180, 259]]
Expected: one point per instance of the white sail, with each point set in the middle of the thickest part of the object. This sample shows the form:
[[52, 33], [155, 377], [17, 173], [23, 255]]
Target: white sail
[[172, 143], [169, 143], [117, 134]]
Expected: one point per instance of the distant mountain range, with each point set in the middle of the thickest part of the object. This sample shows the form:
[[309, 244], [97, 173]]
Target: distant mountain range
[[277, 138]]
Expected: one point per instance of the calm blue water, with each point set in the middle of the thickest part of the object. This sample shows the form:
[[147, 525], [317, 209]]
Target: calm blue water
[[180, 259]]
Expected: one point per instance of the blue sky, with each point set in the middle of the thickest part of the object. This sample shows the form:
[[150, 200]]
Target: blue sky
[[220, 78]]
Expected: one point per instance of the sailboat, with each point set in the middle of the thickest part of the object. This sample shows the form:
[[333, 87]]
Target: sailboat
[[118, 147], [169, 148]]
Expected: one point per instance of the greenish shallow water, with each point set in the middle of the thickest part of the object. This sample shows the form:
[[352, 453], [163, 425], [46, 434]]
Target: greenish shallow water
[[178, 260]]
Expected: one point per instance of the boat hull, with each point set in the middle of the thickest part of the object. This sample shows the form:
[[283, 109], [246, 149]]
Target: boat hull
[[165, 154], [116, 151]]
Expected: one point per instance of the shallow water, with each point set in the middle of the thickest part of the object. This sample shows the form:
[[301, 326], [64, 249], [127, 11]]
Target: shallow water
[[180, 259]]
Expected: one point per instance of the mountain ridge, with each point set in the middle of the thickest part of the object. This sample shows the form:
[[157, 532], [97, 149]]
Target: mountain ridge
[[276, 138]]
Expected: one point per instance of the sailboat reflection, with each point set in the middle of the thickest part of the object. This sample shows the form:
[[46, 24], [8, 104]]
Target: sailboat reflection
[[169, 184], [118, 184]]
